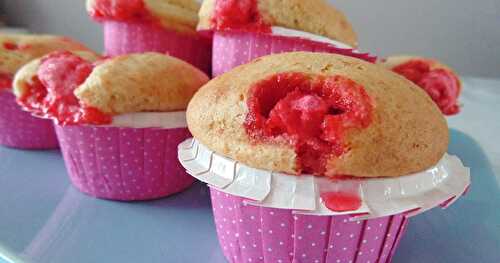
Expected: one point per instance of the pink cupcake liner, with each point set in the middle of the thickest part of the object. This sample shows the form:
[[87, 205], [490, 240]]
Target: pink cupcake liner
[[125, 164], [133, 37], [257, 234], [18, 129], [231, 49]]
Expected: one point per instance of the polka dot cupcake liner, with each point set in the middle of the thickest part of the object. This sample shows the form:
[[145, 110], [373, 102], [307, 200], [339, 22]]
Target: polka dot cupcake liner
[[18, 129], [231, 49], [134, 37], [125, 164], [267, 216], [258, 234]]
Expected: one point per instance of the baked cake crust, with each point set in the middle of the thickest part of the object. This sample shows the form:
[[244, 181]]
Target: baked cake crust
[[408, 133], [394, 61], [313, 16], [17, 50], [147, 82], [179, 15]]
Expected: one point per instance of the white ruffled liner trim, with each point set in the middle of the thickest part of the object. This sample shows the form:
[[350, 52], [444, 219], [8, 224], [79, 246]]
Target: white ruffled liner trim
[[141, 120], [412, 194], [163, 120], [286, 32]]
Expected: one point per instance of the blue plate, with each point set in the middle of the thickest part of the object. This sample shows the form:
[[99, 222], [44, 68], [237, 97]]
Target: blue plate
[[44, 219], [468, 231]]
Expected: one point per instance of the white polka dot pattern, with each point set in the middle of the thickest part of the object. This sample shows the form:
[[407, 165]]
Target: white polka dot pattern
[[127, 37], [124, 163], [231, 49], [18, 129], [258, 234]]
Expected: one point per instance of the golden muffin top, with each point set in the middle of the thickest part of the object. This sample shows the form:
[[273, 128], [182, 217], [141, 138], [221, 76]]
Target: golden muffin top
[[148, 82], [322, 114], [440, 81], [180, 15], [17, 50], [313, 16]]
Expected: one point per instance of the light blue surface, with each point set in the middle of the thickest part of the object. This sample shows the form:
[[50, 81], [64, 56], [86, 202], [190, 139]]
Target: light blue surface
[[43, 219]]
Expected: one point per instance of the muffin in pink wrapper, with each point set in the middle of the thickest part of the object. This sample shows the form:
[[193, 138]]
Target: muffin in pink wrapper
[[118, 120], [315, 157], [18, 129], [437, 79], [134, 26], [245, 30]]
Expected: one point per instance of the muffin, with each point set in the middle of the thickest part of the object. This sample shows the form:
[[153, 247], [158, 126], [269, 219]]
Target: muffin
[[18, 129], [119, 120], [165, 26], [318, 158], [437, 79], [245, 30]]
